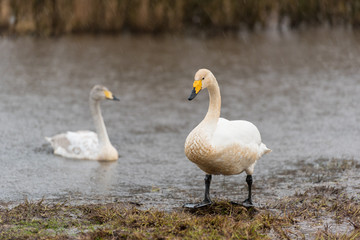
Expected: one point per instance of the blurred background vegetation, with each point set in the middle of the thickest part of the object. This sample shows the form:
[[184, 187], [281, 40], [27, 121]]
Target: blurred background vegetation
[[57, 17]]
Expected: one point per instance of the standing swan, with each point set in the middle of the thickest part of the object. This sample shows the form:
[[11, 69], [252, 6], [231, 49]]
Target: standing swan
[[87, 144], [219, 146]]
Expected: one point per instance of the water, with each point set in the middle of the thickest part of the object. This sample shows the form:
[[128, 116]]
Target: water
[[301, 89]]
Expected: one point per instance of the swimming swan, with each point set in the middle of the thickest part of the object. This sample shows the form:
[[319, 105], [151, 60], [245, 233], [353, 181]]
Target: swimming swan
[[87, 144], [219, 146]]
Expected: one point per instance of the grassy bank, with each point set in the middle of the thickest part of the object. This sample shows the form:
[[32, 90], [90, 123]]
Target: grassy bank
[[56, 17], [318, 213]]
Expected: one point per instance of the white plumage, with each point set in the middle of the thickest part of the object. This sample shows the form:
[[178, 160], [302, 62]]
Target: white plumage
[[220, 146], [238, 131], [80, 144], [87, 144]]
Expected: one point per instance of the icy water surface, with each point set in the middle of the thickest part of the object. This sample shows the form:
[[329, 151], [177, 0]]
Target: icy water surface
[[300, 89]]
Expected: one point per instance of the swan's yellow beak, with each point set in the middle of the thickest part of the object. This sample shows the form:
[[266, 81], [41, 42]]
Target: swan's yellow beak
[[196, 89], [110, 96]]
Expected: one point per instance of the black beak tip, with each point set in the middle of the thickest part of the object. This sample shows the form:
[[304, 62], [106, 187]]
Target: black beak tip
[[192, 95], [115, 98]]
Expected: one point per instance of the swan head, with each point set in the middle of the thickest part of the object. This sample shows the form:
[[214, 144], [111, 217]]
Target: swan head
[[99, 92], [203, 78]]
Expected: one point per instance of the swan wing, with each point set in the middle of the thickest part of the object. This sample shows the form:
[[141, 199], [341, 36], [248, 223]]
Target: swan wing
[[80, 144], [239, 131]]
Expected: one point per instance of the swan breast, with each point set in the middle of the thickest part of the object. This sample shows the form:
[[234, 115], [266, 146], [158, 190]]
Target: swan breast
[[233, 147], [196, 148]]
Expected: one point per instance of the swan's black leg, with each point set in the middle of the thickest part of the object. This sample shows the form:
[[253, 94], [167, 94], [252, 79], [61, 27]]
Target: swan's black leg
[[248, 201], [207, 188], [207, 200]]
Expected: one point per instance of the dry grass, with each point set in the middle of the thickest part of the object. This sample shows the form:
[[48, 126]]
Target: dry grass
[[318, 213], [55, 17]]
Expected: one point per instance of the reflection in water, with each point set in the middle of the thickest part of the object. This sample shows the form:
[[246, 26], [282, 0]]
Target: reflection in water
[[104, 175], [299, 88]]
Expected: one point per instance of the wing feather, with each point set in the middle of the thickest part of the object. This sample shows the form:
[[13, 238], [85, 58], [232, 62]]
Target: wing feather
[[239, 131], [80, 144]]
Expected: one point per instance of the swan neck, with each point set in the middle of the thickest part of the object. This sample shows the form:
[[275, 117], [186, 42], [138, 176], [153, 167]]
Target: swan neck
[[99, 123], [213, 113]]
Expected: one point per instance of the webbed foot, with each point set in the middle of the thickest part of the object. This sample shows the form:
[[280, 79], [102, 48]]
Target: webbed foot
[[197, 205], [248, 203]]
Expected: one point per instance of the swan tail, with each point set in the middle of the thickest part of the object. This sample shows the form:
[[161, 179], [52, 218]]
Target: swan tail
[[264, 149]]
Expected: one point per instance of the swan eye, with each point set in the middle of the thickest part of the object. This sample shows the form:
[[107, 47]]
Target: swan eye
[[203, 78]]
